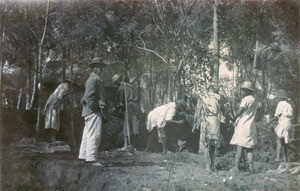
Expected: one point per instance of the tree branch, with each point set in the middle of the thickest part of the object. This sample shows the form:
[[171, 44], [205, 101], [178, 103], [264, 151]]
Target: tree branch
[[32, 31], [146, 49]]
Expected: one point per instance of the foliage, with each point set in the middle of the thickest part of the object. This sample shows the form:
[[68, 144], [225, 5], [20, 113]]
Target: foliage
[[165, 44]]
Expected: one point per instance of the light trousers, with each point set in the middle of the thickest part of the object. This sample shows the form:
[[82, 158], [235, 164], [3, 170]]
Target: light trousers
[[91, 137]]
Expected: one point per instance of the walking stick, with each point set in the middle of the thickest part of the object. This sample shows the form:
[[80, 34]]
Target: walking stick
[[216, 150], [72, 119], [126, 114]]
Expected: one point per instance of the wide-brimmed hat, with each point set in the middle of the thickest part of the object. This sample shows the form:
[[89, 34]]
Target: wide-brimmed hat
[[97, 62], [281, 94], [116, 77], [247, 85]]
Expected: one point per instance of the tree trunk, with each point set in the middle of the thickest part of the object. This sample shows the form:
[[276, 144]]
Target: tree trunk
[[2, 28], [72, 103], [35, 86], [27, 91], [151, 87], [40, 66], [298, 84], [64, 58], [215, 55], [178, 81]]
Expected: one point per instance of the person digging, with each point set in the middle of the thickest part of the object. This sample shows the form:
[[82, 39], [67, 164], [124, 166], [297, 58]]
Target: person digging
[[127, 108], [245, 134], [207, 118]]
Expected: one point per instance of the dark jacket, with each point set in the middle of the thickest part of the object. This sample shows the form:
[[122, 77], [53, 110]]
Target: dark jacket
[[132, 99], [94, 97]]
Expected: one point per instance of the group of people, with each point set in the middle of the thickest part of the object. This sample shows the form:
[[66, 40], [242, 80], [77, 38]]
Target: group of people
[[207, 118]]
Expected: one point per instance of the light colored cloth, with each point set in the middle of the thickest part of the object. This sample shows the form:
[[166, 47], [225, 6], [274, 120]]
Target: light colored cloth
[[53, 107], [91, 137], [159, 116], [94, 103], [212, 114], [207, 118], [245, 133], [284, 129]]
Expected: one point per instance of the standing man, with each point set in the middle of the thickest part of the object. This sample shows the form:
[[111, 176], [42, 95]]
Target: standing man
[[94, 104], [53, 107], [207, 118], [284, 129], [127, 107], [245, 135]]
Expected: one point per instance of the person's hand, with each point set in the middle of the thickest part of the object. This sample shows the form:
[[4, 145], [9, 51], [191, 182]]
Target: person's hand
[[181, 121]]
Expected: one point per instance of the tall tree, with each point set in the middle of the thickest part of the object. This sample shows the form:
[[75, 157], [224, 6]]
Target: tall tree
[[215, 42], [40, 66]]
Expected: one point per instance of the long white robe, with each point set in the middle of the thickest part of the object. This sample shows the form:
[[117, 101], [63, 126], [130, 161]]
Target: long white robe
[[245, 133], [53, 107]]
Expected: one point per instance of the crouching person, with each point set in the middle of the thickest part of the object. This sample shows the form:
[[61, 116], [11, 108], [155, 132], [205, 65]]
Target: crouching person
[[160, 116]]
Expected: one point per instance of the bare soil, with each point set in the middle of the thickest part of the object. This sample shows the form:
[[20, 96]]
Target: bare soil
[[22, 169]]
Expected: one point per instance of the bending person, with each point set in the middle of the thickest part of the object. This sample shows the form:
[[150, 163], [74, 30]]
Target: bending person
[[162, 115], [53, 107]]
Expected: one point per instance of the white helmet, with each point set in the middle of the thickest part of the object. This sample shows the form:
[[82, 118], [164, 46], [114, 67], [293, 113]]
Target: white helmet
[[116, 77]]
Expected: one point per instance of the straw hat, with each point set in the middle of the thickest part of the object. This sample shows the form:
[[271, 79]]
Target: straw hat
[[97, 62], [247, 85]]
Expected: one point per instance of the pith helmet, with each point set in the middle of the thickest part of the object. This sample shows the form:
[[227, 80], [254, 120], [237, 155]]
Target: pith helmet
[[116, 77], [247, 85], [281, 94], [97, 62]]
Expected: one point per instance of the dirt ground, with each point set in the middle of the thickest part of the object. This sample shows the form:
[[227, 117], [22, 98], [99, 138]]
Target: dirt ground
[[23, 169]]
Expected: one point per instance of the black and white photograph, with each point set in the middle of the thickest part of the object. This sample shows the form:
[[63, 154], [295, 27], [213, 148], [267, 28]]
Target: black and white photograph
[[150, 95]]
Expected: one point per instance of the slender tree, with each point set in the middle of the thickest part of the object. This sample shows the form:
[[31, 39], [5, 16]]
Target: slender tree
[[40, 66]]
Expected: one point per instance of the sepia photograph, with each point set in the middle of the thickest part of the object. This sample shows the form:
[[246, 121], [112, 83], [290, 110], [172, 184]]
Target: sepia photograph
[[150, 95]]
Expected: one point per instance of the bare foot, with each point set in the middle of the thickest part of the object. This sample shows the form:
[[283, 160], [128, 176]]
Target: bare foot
[[123, 149], [97, 164]]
